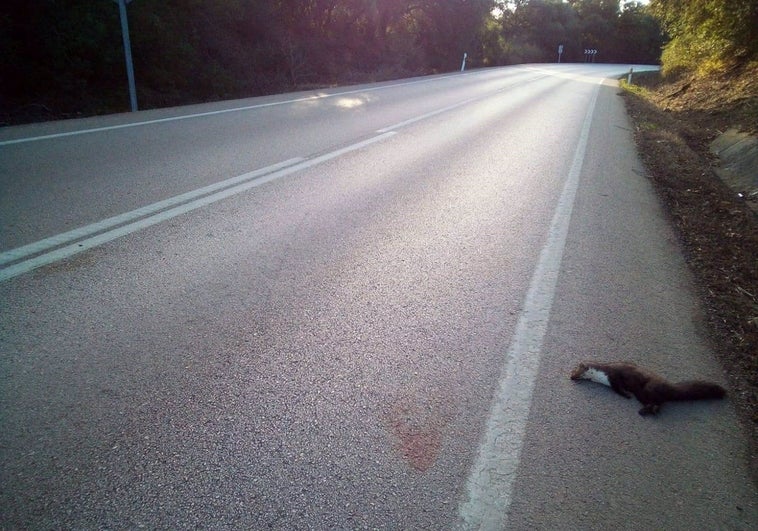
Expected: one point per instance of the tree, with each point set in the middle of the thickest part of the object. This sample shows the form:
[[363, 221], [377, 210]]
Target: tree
[[448, 28], [533, 29], [707, 34], [71, 47], [68, 55], [638, 35], [539, 26]]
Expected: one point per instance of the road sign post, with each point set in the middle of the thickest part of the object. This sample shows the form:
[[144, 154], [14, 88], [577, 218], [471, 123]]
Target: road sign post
[[127, 52]]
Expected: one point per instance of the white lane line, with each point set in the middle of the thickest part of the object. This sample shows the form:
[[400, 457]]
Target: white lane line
[[99, 239], [490, 482], [224, 111], [81, 232]]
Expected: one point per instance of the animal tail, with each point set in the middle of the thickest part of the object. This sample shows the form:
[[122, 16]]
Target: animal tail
[[697, 390]]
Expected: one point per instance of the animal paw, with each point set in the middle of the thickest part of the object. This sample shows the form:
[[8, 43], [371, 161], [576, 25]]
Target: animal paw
[[650, 409]]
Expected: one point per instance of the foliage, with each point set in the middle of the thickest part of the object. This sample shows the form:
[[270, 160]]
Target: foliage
[[706, 35], [57, 46], [535, 28], [68, 54]]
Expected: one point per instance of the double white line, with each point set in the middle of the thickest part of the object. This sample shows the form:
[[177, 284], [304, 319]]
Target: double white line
[[28, 257]]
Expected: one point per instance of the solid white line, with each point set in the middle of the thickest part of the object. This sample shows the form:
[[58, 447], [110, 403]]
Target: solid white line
[[81, 232], [490, 482], [224, 111], [94, 241]]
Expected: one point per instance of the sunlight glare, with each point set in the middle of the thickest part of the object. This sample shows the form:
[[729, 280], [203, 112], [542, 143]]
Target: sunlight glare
[[349, 103]]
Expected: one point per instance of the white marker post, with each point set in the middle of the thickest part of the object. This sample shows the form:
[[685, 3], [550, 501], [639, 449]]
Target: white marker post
[[560, 52], [629, 77], [463, 64]]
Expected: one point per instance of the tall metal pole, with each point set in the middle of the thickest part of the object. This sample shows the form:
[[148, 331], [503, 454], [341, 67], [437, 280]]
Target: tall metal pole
[[128, 53]]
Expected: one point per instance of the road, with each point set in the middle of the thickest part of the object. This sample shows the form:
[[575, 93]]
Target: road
[[352, 308]]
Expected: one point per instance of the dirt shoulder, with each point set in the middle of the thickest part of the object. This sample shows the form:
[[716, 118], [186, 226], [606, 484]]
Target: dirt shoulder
[[675, 122]]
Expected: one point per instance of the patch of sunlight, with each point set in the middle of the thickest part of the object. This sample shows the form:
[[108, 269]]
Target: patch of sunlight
[[349, 103]]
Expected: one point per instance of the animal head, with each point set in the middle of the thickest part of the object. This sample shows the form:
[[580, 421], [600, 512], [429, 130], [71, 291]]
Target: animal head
[[579, 371]]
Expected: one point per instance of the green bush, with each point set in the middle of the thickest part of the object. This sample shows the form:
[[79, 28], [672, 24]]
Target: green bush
[[707, 35]]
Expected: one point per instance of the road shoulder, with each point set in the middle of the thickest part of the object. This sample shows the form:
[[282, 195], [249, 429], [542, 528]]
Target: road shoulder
[[589, 461]]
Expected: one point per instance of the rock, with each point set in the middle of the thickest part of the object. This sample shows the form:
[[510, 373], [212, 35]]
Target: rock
[[738, 153]]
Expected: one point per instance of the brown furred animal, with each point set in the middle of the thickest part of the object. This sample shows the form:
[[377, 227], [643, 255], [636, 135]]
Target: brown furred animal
[[650, 389]]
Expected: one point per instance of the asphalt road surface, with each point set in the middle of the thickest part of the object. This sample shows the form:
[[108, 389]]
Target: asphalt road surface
[[352, 308]]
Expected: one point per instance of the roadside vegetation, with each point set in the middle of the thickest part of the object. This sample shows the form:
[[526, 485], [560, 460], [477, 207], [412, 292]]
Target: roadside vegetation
[[709, 84], [65, 58], [707, 36]]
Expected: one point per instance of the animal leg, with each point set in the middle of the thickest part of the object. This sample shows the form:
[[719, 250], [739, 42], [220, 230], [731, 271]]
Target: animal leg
[[622, 392], [650, 409]]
